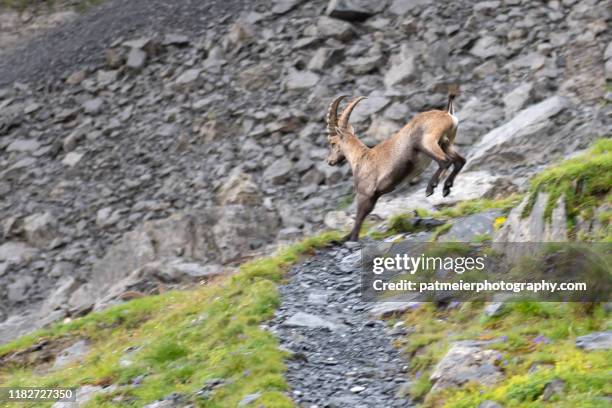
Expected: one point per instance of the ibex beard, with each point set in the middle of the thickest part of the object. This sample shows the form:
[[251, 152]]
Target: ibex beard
[[404, 155]]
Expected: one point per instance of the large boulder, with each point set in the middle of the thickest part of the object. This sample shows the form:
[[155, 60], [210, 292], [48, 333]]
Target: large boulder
[[523, 140], [467, 361]]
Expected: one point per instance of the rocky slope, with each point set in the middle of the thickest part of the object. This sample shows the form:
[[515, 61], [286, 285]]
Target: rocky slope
[[204, 122]]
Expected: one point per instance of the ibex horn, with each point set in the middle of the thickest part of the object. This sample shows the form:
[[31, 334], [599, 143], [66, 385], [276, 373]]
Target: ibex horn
[[332, 115], [346, 113]]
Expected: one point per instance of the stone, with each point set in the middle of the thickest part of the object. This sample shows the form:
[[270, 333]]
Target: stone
[[325, 57], [241, 33], [136, 59], [350, 10], [284, 6], [496, 148], [16, 252], [402, 69], [83, 395], [310, 321], [518, 98], [17, 291], [105, 217], [279, 171], [178, 40], [487, 46], [81, 300], [466, 361], [390, 309], [76, 77], [489, 404], [23, 145], [331, 27], [338, 220], [249, 399], [595, 341], [465, 229], [403, 7], [240, 189], [59, 297], [494, 309], [468, 186], [553, 388], [532, 228], [70, 355], [93, 106], [299, 80], [40, 229], [72, 159], [179, 271], [188, 77]]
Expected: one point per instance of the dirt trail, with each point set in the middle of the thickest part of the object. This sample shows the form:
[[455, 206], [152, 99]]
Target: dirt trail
[[341, 355]]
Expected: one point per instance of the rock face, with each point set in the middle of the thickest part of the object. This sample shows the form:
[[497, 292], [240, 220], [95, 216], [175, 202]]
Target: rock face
[[534, 228], [465, 229], [523, 140], [595, 341], [467, 361]]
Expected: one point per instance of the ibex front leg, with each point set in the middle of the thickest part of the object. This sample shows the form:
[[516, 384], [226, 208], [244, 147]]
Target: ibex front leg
[[365, 205]]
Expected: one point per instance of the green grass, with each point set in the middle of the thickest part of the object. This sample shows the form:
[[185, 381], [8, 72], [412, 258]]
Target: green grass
[[584, 181], [181, 341], [586, 373]]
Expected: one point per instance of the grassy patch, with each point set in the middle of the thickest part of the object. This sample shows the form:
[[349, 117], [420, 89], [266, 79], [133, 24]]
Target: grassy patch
[[177, 342], [538, 346], [585, 182]]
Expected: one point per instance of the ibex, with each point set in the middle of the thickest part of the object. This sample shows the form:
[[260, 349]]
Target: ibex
[[406, 154]]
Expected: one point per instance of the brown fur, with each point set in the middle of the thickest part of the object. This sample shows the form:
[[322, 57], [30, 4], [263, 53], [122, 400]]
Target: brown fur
[[406, 154]]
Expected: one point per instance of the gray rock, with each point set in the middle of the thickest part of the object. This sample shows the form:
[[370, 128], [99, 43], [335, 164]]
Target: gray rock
[[487, 46], [310, 321], [465, 229], [83, 395], [402, 69], [494, 149], [249, 399], [71, 355], [489, 404], [518, 98], [16, 291], [494, 309], [240, 189], [40, 229], [331, 27], [136, 59], [369, 107], [60, 296], [389, 309], [188, 76], [553, 388], [351, 10], [23, 145], [595, 341], [279, 172], [299, 80], [16, 252], [337, 220], [402, 7], [72, 159], [466, 361], [284, 6], [324, 58], [320, 297], [93, 106], [532, 228]]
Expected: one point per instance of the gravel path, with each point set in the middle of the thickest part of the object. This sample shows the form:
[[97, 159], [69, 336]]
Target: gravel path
[[341, 356], [60, 51]]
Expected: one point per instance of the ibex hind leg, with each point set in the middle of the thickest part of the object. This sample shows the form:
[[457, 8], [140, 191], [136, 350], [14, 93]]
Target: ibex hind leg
[[435, 152], [458, 163]]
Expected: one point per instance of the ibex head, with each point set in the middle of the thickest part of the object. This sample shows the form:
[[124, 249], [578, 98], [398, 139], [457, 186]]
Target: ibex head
[[339, 128]]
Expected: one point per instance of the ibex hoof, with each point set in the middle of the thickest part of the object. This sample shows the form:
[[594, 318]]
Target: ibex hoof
[[428, 192], [446, 191]]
